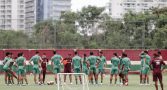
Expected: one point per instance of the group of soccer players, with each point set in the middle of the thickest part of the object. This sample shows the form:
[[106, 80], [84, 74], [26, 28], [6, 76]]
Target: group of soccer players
[[157, 65], [91, 65]]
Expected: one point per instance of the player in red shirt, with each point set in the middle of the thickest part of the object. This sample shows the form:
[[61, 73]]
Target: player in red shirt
[[44, 67], [68, 67], [157, 65]]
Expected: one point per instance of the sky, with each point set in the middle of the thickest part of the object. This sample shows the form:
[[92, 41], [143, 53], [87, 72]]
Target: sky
[[78, 4]]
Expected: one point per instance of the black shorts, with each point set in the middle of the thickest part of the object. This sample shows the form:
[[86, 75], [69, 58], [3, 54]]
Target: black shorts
[[157, 76]]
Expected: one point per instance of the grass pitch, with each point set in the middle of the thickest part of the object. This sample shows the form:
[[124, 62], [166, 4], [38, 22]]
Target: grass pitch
[[133, 84]]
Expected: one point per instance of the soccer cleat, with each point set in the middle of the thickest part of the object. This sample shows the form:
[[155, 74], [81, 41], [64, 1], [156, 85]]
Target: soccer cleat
[[23, 84], [147, 84], [71, 83], [39, 83], [9, 84]]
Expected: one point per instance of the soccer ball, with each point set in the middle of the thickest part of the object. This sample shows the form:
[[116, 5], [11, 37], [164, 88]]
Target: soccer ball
[[50, 82], [126, 84], [39, 83]]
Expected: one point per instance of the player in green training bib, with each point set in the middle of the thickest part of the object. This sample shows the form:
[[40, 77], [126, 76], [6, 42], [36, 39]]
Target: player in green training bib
[[85, 65], [36, 59], [77, 66], [141, 66], [146, 67], [125, 68], [101, 66], [21, 63], [93, 63], [56, 64], [115, 61], [7, 57], [8, 63]]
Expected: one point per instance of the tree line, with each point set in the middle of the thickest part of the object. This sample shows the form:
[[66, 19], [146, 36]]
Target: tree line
[[92, 28]]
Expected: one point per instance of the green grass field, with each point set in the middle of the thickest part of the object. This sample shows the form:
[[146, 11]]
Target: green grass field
[[133, 84]]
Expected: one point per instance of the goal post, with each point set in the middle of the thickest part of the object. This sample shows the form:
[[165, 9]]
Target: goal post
[[61, 85]]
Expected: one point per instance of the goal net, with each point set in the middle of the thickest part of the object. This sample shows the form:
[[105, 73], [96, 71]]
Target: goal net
[[82, 81]]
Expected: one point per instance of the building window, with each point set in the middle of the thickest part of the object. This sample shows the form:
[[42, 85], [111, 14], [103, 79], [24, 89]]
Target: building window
[[9, 16], [8, 6], [21, 1], [21, 11], [163, 0], [8, 1], [9, 11], [21, 26], [21, 16]]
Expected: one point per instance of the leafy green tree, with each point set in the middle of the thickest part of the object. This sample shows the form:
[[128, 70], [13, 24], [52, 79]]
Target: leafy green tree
[[13, 39]]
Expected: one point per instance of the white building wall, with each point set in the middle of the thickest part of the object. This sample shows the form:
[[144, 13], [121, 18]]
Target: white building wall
[[14, 9], [30, 14], [10, 15], [117, 8], [57, 7]]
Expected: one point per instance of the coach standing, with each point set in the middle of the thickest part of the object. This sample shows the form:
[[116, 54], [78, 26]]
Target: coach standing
[[68, 67], [157, 65]]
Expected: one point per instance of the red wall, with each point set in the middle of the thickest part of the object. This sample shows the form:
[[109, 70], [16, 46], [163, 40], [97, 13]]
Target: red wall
[[109, 53], [87, 52], [1, 55], [132, 54]]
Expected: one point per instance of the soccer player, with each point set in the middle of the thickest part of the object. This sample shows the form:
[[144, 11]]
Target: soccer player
[[8, 63], [36, 59], [142, 67], [77, 66], [44, 64], [68, 67], [93, 63], [101, 66], [85, 65], [56, 64], [157, 65], [4, 61], [120, 71], [145, 73], [21, 63], [11, 78], [125, 68], [115, 61]]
